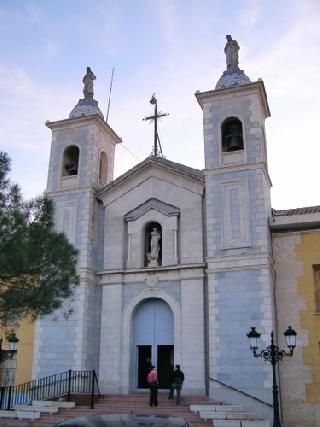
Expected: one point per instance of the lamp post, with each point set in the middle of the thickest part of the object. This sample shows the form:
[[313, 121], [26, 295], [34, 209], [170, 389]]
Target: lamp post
[[274, 355]]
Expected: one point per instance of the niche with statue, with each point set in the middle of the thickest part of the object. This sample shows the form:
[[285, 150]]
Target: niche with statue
[[153, 245]]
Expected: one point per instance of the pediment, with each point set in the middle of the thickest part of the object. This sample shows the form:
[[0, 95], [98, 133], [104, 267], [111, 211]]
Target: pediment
[[158, 162], [158, 205]]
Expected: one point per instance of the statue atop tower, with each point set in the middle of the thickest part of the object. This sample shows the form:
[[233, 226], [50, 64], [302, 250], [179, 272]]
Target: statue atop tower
[[88, 84], [232, 76], [231, 50], [87, 106]]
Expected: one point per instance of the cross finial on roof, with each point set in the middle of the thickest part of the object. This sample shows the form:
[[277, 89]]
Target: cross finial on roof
[[155, 117]]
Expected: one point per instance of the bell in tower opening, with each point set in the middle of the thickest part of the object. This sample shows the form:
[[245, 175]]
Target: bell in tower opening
[[232, 135]]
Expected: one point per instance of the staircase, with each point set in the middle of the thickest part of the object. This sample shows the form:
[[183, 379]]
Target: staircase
[[138, 403]]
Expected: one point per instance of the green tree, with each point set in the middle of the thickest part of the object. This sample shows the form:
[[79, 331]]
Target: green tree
[[37, 264]]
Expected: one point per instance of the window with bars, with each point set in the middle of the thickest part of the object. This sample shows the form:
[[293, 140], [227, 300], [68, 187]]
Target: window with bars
[[8, 370], [316, 269]]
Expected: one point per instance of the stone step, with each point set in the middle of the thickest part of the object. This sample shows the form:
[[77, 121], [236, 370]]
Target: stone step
[[41, 408], [228, 415], [27, 423], [238, 423], [147, 410], [54, 403], [8, 414], [171, 410], [215, 408], [256, 423], [28, 415], [139, 403], [136, 400], [226, 423]]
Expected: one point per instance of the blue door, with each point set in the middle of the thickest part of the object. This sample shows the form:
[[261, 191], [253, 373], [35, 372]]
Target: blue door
[[153, 341]]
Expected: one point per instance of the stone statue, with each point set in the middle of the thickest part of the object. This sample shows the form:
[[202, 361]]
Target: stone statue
[[88, 84], [153, 255], [231, 51]]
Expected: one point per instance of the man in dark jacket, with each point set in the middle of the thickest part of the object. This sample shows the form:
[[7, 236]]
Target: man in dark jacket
[[176, 384]]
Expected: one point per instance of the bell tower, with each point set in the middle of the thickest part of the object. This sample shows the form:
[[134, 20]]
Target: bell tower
[[81, 162], [240, 273]]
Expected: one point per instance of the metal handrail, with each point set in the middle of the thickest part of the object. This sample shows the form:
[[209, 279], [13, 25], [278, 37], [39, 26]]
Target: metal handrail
[[94, 382], [241, 391], [50, 387]]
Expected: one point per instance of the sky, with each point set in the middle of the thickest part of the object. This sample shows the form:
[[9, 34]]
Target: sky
[[172, 48]]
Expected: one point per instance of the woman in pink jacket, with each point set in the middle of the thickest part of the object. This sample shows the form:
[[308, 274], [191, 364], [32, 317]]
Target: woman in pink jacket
[[152, 379]]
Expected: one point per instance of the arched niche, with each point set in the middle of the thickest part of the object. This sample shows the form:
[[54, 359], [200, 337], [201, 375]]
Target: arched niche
[[103, 168], [152, 244], [232, 135], [70, 161]]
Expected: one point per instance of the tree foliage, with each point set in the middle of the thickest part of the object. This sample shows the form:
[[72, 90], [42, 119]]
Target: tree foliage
[[37, 264]]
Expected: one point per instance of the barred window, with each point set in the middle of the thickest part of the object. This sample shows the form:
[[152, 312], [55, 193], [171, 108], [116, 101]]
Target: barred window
[[316, 270], [8, 370]]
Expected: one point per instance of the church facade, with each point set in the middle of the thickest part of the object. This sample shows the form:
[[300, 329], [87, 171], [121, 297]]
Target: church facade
[[177, 264]]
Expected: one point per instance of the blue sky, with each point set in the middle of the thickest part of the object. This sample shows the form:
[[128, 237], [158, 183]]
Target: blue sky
[[172, 48]]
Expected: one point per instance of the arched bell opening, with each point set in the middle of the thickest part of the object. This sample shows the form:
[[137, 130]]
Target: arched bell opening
[[70, 161], [232, 135]]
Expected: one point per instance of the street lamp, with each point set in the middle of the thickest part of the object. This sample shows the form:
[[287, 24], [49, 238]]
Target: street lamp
[[273, 354]]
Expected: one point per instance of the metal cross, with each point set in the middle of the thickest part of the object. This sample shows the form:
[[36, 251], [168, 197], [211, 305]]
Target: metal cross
[[155, 118]]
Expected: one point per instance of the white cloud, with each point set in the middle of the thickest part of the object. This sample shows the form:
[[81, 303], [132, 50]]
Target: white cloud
[[168, 21], [250, 13]]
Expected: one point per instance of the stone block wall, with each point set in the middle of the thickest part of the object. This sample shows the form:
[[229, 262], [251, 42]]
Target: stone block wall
[[296, 253]]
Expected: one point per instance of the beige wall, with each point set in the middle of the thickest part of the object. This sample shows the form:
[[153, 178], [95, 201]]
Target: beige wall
[[295, 254], [25, 333]]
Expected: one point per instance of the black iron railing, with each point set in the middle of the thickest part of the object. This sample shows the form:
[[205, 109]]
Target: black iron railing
[[66, 383], [240, 391]]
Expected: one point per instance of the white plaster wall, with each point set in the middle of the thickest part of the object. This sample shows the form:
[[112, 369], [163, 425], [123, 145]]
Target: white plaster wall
[[184, 297], [192, 335], [169, 225], [167, 187], [110, 339], [91, 136]]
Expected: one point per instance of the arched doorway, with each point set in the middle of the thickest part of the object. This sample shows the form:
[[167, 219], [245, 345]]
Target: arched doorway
[[153, 342]]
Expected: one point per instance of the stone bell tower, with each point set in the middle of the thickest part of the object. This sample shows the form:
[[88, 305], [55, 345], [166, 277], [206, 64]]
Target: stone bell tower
[[240, 274], [81, 162]]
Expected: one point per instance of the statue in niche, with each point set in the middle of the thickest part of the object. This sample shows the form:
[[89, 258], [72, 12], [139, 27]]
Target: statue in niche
[[153, 255], [231, 51], [233, 139], [88, 84]]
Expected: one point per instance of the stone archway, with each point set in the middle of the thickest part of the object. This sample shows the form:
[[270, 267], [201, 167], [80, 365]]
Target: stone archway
[[127, 332], [152, 342]]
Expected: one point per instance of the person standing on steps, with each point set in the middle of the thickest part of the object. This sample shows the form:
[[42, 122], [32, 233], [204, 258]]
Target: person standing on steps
[[152, 379], [176, 384]]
